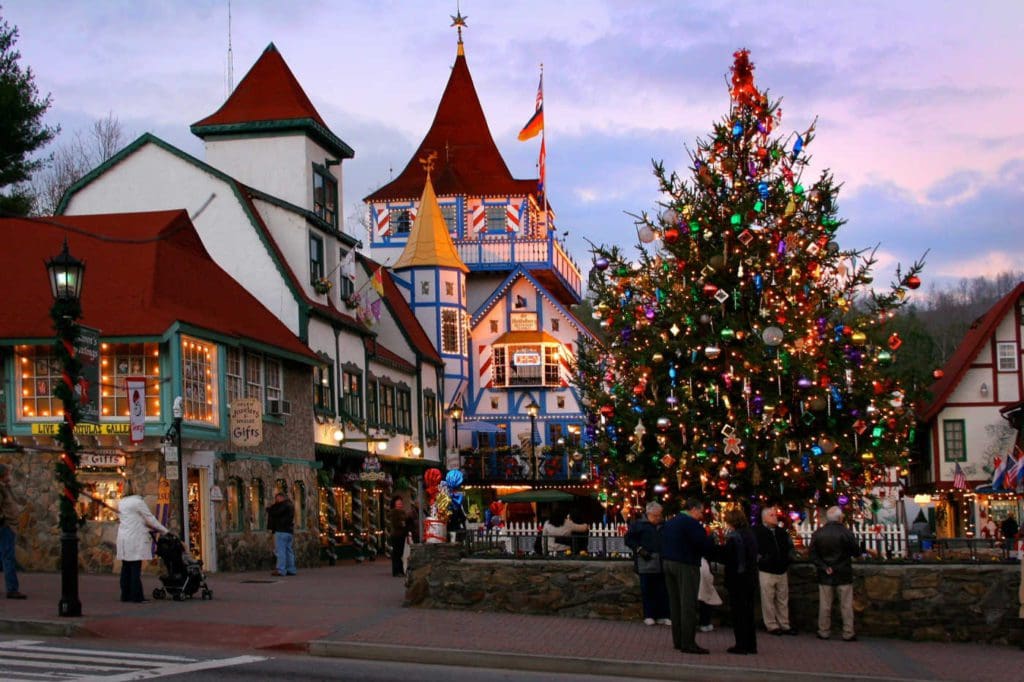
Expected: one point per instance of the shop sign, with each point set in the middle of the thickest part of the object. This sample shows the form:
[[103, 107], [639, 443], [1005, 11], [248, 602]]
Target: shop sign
[[526, 358], [87, 351], [172, 473], [53, 429], [246, 422], [522, 322], [216, 495], [107, 461], [170, 453]]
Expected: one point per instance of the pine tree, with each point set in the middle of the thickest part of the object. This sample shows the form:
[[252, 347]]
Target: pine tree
[[21, 127], [746, 353]]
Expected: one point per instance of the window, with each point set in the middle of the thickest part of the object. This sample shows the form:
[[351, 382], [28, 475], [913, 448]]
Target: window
[[280, 486], [425, 288], [351, 392], [551, 369], [493, 326], [1006, 357], [262, 377], [404, 410], [953, 439], [554, 325], [346, 273], [316, 259], [233, 376], [257, 502], [118, 361], [199, 381], [498, 373], [299, 500], [430, 416], [449, 288], [323, 386], [495, 219], [526, 365], [325, 196], [372, 405], [40, 371], [448, 212], [400, 221], [234, 508], [450, 331], [555, 432], [387, 404]]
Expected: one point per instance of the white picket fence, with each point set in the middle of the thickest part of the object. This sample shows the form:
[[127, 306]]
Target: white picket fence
[[886, 541]]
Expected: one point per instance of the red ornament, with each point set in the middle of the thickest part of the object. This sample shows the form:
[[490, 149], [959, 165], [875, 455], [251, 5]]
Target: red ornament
[[741, 465], [671, 235], [895, 341], [938, 374], [913, 282], [710, 289], [607, 411]]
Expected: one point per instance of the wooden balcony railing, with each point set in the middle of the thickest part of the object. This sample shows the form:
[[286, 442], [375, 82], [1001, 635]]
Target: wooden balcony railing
[[515, 466]]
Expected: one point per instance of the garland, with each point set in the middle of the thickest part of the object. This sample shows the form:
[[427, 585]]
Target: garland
[[65, 314]]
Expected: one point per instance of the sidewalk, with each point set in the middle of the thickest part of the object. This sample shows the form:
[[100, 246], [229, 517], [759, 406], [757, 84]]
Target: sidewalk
[[354, 611]]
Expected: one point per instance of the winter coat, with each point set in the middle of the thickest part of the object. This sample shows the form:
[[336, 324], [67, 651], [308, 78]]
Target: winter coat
[[739, 556], [133, 540], [834, 546], [643, 537], [281, 517], [774, 549]]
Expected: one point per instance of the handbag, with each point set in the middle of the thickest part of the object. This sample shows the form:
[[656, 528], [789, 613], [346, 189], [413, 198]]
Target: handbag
[[649, 564]]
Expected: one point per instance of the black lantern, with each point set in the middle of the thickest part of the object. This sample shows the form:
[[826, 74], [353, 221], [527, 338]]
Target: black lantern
[[66, 274], [456, 414], [533, 409]]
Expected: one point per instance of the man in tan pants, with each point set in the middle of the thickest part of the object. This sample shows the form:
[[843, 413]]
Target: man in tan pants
[[774, 555], [833, 547]]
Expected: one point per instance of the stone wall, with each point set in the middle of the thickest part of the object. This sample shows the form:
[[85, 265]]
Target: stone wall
[[943, 602]]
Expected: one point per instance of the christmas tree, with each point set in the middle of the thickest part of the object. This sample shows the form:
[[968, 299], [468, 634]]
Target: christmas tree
[[746, 354]]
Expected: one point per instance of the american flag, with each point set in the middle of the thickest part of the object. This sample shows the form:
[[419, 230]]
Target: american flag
[[959, 479], [1015, 475]]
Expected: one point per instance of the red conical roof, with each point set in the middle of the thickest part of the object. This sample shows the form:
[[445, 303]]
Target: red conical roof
[[468, 161], [269, 92]]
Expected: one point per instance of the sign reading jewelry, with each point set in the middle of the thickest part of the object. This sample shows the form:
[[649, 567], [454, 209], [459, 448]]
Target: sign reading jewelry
[[246, 422]]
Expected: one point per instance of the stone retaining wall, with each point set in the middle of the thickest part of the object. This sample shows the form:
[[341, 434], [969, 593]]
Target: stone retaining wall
[[943, 602]]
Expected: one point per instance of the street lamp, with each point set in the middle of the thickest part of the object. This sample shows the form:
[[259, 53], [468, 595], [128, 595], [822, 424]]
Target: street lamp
[[533, 409], [65, 272], [456, 414], [178, 413]]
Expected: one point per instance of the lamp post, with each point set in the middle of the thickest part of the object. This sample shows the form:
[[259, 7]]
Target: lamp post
[[533, 409], [178, 413], [65, 272], [456, 414]]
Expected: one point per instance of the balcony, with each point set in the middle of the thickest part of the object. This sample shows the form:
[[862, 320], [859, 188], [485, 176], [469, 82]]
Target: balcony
[[514, 466], [545, 258]]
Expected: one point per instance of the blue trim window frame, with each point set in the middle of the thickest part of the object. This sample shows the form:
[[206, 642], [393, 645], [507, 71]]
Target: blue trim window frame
[[325, 195], [451, 217], [316, 258], [430, 416], [954, 440], [351, 391], [404, 409], [372, 401], [323, 386], [401, 221], [496, 220], [450, 331]]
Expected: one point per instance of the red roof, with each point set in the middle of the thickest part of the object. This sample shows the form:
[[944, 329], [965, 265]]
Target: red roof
[[403, 314], [468, 162], [960, 360], [269, 92], [144, 272]]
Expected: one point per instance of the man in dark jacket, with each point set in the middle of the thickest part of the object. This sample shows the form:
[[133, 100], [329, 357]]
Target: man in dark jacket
[[833, 547], [774, 554], [683, 543], [644, 538], [281, 522]]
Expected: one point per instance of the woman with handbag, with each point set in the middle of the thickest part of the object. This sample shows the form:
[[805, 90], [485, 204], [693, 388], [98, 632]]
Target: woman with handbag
[[644, 538]]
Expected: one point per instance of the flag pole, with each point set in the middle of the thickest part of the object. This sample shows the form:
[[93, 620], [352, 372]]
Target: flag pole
[[543, 146]]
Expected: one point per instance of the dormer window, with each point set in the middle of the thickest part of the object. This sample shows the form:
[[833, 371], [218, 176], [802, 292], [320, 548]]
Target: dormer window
[[495, 219], [449, 215], [325, 196], [401, 221]]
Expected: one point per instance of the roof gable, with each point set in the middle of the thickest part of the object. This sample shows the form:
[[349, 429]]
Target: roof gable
[[468, 162], [145, 272], [959, 362]]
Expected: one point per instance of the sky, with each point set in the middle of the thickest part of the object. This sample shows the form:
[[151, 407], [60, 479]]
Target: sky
[[917, 102]]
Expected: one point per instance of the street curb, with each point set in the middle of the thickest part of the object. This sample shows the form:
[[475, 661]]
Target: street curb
[[42, 628], [580, 666]]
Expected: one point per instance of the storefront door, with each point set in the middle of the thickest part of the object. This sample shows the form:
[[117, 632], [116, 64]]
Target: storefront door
[[200, 530]]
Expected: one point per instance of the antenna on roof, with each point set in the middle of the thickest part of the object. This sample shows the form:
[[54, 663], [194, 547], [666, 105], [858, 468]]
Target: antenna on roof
[[231, 63]]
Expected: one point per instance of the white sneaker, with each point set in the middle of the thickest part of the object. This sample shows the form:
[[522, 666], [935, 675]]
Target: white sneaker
[[707, 628], [648, 621], [664, 621]]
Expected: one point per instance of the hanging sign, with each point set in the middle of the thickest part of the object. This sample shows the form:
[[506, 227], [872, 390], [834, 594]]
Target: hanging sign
[[106, 461], [135, 387], [246, 422], [87, 391], [526, 358], [522, 322], [53, 429]]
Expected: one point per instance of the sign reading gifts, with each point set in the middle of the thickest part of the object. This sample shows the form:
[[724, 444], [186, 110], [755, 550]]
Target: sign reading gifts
[[246, 422]]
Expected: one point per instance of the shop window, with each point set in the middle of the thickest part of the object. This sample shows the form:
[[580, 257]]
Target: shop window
[[299, 500], [101, 488], [40, 371], [554, 432], [281, 486], [118, 361], [953, 439], [199, 381], [257, 505], [234, 496]]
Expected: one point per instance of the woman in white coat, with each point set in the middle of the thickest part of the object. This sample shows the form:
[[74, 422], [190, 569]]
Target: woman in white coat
[[134, 543]]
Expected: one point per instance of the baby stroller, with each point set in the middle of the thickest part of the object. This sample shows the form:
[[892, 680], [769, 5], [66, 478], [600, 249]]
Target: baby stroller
[[184, 574]]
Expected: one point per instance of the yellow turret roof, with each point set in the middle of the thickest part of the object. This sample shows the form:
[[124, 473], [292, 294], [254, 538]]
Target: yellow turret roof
[[429, 242]]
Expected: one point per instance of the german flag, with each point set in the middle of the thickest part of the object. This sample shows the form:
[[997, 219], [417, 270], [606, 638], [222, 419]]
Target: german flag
[[535, 125]]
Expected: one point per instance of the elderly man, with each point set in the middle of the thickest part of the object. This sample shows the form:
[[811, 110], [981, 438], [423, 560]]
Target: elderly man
[[774, 555], [644, 538], [684, 542], [9, 511], [833, 547]]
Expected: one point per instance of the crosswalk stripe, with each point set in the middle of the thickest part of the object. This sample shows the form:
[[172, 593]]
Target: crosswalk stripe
[[34, 645], [66, 666], [83, 657], [178, 669]]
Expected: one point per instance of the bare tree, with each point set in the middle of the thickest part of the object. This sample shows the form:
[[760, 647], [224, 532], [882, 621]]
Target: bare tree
[[74, 159]]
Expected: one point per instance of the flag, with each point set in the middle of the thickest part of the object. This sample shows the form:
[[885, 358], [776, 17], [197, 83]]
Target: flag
[[536, 122], [135, 388], [375, 310], [542, 163], [959, 479], [1013, 474], [377, 281], [997, 476], [348, 265]]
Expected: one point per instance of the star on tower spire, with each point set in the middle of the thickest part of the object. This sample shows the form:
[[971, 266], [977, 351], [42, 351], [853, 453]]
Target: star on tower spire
[[459, 22]]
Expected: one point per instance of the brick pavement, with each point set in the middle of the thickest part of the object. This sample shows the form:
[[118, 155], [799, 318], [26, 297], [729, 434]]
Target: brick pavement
[[355, 610]]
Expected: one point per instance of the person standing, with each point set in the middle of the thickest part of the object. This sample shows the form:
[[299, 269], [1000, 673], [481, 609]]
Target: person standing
[[1009, 529], [398, 535], [644, 538], [134, 544], [833, 547], [9, 511], [281, 522], [739, 555], [707, 597], [774, 555], [684, 542]]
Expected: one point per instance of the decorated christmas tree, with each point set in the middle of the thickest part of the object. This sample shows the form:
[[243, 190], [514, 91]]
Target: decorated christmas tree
[[746, 353]]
